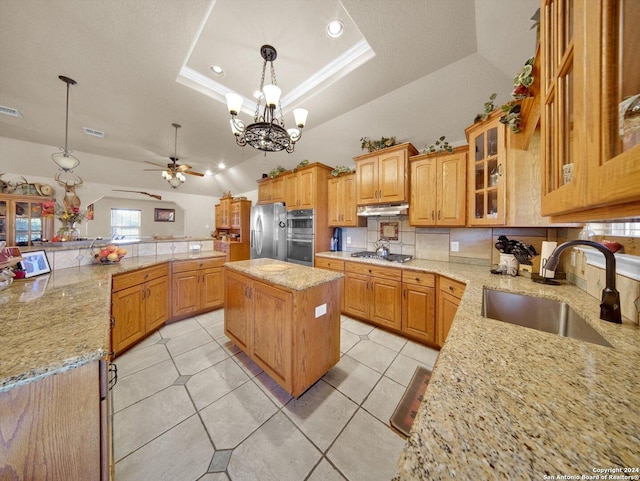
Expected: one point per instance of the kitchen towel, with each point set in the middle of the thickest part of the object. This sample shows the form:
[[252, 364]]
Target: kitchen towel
[[547, 250]]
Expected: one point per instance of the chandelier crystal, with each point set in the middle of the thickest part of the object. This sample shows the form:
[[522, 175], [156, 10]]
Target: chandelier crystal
[[64, 159], [267, 132]]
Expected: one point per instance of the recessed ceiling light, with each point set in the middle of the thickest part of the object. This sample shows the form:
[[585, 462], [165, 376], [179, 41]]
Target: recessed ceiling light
[[335, 29], [217, 71], [221, 165], [208, 172]]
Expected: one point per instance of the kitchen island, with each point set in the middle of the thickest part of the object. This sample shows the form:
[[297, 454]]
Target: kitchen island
[[508, 402], [285, 317]]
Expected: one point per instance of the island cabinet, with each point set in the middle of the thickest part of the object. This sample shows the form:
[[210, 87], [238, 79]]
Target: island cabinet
[[293, 335], [306, 188], [197, 286], [56, 428], [590, 109], [373, 293], [343, 211], [449, 295], [271, 190], [419, 306], [382, 177], [438, 186], [333, 265], [139, 305]]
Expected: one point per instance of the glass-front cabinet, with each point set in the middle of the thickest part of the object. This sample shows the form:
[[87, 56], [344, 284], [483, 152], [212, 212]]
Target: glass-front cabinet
[[21, 220], [590, 109], [487, 172]]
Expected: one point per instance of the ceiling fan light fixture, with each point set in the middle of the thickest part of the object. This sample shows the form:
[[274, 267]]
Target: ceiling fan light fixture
[[267, 132], [335, 29], [64, 159]]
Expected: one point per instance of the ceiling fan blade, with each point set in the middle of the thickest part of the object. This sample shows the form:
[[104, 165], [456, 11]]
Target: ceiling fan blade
[[154, 163], [155, 196], [199, 174], [154, 170], [183, 167]]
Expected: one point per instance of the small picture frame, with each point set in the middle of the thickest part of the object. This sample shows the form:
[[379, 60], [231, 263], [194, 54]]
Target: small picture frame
[[389, 230], [35, 263], [164, 215]]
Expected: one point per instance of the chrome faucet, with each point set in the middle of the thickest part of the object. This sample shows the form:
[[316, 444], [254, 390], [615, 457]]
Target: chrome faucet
[[610, 305]]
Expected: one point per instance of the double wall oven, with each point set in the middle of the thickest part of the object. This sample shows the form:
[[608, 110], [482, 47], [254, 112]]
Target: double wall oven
[[300, 236]]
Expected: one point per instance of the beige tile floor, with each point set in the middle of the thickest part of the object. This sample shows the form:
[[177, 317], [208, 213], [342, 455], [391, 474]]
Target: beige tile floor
[[189, 405]]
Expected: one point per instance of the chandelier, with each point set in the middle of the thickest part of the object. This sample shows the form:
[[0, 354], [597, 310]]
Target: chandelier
[[267, 132], [64, 159]]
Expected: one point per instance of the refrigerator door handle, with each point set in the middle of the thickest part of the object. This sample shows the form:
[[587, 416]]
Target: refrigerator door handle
[[251, 239]]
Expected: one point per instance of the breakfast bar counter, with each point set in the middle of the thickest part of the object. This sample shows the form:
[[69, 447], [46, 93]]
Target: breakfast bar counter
[[508, 402]]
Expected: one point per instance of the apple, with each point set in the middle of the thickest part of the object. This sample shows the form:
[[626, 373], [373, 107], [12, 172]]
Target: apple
[[103, 253], [112, 257], [122, 251], [112, 248]]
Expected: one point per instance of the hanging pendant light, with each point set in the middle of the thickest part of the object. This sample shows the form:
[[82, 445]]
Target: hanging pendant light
[[266, 133], [64, 159]]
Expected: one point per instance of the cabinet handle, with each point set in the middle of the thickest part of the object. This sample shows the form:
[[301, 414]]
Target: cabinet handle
[[433, 215], [438, 215], [500, 170], [113, 322], [250, 292], [404, 293], [149, 290]]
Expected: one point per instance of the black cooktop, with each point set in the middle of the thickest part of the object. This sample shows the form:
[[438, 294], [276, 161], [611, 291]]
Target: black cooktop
[[390, 257]]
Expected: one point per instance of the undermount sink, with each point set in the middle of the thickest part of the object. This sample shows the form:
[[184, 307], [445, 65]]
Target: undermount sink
[[546, 315]]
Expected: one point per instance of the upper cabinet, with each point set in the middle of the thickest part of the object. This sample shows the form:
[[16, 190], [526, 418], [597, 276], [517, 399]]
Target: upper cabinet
[[382, 176], [343, 211], [590, 109], [271, 190], [438, 188], [223, 213], [306, 188], [21, 220]]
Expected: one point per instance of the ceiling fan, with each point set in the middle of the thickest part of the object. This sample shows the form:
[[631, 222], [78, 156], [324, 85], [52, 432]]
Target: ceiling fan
[[155, 196], [173, 167]]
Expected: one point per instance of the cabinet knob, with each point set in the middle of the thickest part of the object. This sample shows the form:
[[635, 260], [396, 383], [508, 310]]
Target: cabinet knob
[[450, 288], [417, 279]]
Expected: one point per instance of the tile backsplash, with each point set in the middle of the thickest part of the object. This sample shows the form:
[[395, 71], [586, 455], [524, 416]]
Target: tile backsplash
[[477, 246]]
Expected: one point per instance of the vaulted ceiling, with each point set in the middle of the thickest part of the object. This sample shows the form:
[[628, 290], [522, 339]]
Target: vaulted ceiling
[[414, 69]]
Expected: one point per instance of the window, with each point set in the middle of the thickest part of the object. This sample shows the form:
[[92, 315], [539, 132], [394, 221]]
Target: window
[[126, 223]]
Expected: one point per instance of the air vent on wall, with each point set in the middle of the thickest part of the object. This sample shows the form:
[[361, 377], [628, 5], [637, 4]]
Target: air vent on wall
[[94, 132], [10, 111]]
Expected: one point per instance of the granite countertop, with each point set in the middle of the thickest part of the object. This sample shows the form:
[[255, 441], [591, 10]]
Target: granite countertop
[[60, 320], [507, 402], [284, 274]]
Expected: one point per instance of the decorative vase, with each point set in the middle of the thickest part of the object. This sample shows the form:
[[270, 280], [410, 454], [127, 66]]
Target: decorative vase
[[69, 232]]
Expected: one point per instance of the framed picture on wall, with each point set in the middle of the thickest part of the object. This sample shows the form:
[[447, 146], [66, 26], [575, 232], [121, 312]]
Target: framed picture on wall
[[164, 215], [35, 263]]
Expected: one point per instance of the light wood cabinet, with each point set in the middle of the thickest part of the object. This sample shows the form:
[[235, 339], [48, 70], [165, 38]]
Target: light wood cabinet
[[333, 265], [21, 220], [382, 177], [271, 190], [419, 306], [235, 251], [52, 428], [139, 305], [281, 330], [343, 210], [196, 286], [306, 188], [239, 224], [373, 293], [223, 213], [438, 186], [589, 66], [449, 295]]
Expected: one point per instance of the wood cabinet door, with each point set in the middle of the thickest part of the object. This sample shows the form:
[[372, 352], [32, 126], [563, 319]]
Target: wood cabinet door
[[349, 208], [290, 183], [278, 189], [264, 191], [422, 211], [367, 181], [392, 178], [127, 310], [272, 332], [212, 294], [357, 295], [185, 297], [386, 309], [419, 312], [451, 183], [156, 302], [238, 311], [306, 187], [335, 201], [447, 307]]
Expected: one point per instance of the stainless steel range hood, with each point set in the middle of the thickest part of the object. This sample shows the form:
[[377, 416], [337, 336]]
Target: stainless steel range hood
[[380, 210]]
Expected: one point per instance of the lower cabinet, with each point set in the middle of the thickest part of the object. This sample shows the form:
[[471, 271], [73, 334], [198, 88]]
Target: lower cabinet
[[449, 295], [280, 330], [196, 286], [373, 293], [333, 265], [235, 251], [55, 428], [419, 306], [139, 305]]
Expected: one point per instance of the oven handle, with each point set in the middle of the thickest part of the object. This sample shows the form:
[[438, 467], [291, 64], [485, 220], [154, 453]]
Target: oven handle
[[304, 241]]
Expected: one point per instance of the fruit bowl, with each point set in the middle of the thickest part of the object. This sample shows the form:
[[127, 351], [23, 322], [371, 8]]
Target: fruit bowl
[[110, 254]]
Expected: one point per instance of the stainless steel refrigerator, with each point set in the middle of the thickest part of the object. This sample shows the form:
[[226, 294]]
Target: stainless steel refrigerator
[[269, 231]]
